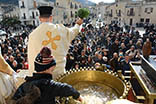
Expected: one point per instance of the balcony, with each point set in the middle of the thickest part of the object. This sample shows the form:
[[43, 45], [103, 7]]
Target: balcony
[[32, 17], [23, 17], [118, 14], [71, 6], [22, 6], [26, 19], [110, 15], [106, 14], [65, 17], [130, 14], [76, 7]]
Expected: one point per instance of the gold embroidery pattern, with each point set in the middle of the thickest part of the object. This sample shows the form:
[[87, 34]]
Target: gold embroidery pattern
[[51, 40]]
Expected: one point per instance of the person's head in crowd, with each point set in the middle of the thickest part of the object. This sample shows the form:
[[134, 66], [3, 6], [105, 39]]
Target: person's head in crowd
[[123, 45], [98, 48], [44, 62], [2, 45], [127, 58], [108, 39], [17, 51], [99, 56], [96, 54], [76, 65], [11, 58], [138, 44], [117, 35], [68, 56], [18, 55], [24, 50], [5, 56], [105, 53], [105, 59], [132, 48], [75, 49], [89, 58], [122, 40], [97, 65], [116, 41], [10, 49], [130, 42], [83, 60], [115, 55], [45, 13], [82, 53], [14, 63], [147, 40], [22, 60]]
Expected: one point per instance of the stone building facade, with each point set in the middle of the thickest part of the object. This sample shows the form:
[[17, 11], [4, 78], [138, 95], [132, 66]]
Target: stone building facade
[[64, 11], [131, 12]]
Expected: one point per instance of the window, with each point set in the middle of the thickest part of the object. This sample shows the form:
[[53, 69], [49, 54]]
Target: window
[[23, 6], [151, 10], [71, 5], [57, 4], [71, 14], [24, 16], [119, 11], [142, 20], [57, 13], [33, 23], [119, 14], [33, 15], [76, 6], [36, 13], [147, 20], [37, 22], [146, 9], [131, 21], [75, 14], [131, 10]]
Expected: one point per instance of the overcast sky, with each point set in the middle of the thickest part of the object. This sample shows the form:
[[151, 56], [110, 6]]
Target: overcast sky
[[106, 1]]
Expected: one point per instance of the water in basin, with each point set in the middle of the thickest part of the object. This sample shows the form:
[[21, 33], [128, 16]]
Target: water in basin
[[95, 93]]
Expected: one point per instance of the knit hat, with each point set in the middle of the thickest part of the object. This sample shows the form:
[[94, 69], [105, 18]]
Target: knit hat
[[44, 60]]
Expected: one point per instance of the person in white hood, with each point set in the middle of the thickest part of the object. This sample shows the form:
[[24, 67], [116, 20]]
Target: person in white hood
[[7, 81]]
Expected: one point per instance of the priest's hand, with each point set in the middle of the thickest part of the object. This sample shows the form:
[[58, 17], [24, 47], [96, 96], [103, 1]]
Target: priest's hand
[[79, 21], [80, 99]]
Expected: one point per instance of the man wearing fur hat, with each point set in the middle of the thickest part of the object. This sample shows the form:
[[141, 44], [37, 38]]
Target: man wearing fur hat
[[40, 88], [7, 81], [57, 37]]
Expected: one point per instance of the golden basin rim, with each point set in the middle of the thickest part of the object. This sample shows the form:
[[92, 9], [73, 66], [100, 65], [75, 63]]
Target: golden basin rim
[[125, 83]]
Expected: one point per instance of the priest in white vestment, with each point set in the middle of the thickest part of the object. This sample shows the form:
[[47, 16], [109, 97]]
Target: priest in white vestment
[[7, 81], [55, 36]]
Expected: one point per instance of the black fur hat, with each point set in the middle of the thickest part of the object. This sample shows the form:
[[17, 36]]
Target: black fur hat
[[45, 11]]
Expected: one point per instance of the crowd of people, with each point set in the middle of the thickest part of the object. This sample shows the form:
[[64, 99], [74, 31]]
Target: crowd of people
[[14, 48], [109, 45]]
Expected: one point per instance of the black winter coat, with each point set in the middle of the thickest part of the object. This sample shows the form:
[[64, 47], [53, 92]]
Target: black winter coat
[[49, 89]]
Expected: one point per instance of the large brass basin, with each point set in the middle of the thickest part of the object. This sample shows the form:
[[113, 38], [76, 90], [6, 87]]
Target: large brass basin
[[100, 78]]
